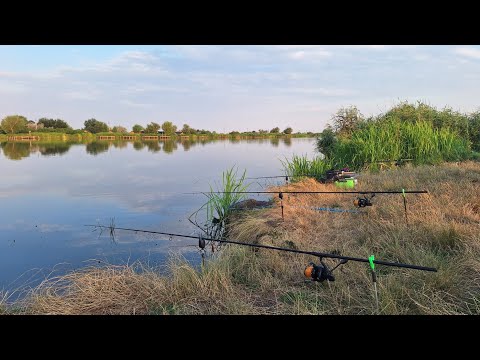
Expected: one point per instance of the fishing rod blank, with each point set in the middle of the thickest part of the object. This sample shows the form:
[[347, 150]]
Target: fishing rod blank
[[314, 253], [311, 192]]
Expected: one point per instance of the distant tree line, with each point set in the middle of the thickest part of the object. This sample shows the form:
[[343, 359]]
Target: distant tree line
[[14, 124]]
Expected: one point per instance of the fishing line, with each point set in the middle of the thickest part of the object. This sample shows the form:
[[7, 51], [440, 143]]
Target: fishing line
[[314, 253]]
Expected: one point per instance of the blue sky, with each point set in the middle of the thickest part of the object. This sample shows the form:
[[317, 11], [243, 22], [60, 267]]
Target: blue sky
[[231, 87]]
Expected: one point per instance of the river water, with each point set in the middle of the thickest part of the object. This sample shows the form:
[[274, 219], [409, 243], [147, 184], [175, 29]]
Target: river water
[[48, 192]]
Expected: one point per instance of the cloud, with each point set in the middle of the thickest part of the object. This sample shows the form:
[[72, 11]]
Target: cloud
[[468, 52], [47, 228], [309, 55], [81, 95], [365, 47], [135, 104], [205, 85]]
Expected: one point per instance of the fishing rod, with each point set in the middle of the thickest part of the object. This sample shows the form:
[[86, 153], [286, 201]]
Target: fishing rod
[[359, 202], [319, 272], [270, 177], [311, 192], [397, 162], [342, 173]]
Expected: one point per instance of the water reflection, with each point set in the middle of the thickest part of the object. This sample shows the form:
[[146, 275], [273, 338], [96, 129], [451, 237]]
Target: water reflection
[[54, 148], [17, 150], [120, 144], [287, 141], [138, 145], [20, 150], [50, 201], [97, 147], [169, 146], [153, 146]]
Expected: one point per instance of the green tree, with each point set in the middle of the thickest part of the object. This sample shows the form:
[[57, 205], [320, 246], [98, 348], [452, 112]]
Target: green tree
[[288, 130], [53, 124], [474, 130], [275, 130], [152, 128], [94, 126], [137, 128], [47, 123], [346, 120], [326, 141], [169, 128], [14, 123], [119, 129], [186, 129]]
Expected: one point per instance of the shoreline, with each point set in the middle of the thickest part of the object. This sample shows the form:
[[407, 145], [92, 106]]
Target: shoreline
[[54, 136], [442, 232]]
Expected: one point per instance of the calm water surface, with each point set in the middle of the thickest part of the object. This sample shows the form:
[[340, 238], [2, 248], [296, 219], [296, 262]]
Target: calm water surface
[[49, 192]]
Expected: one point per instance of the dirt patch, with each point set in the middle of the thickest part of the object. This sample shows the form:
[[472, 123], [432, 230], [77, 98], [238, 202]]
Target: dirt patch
[[250, 204]]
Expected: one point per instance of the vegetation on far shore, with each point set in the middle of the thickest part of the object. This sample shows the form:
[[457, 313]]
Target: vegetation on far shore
[[17, 125]]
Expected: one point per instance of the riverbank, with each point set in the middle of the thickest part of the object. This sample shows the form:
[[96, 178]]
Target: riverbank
[[442, 233], [86, 136]]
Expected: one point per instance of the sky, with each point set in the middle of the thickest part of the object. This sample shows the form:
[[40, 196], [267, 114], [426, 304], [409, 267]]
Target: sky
[[231, 87]]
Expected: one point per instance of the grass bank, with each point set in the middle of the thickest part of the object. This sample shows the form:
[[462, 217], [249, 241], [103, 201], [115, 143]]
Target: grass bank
[[443, 232]]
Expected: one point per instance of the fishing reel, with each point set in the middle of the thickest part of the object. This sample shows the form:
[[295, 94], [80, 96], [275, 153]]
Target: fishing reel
[[333, 175], [321, 272], [363, 202]]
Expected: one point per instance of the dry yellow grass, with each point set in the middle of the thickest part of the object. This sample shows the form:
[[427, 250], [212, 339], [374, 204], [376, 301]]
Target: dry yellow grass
[[443, 232]]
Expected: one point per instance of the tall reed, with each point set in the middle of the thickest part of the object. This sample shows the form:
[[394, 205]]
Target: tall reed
[[394, 139], [300, 166], [219, 205]]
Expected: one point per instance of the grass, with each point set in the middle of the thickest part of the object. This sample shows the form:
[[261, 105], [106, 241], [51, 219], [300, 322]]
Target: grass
[[299, 167], [219, 206], [443, 232], [393, 139]]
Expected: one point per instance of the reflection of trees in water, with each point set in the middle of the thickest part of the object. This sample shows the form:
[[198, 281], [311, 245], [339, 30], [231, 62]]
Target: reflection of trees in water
[[120, 144], [169, 146], [205, 141], [138, 145], [97, 147], [187, 144], [20, 150], [153, 146], [287, 141], [54, 148], [16, 150]]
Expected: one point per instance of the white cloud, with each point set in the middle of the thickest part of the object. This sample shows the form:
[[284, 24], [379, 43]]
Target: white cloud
[[135, 104], [47, 228], [81, 95], [314, 90], [309, 54], [362, 47], [468, 52]]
